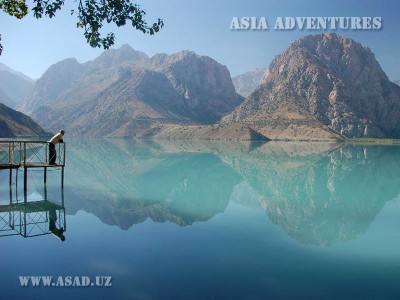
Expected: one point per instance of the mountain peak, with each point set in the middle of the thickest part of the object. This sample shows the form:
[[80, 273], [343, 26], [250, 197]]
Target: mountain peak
[[324, 81], [186, 53], [115, 57], [343, 56], [127, 53]]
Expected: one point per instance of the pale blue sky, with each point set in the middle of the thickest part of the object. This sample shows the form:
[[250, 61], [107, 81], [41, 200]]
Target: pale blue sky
[[31, 46]]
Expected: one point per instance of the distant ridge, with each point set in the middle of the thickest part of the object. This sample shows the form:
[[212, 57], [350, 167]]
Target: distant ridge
[[14, 86], [58, 78], [4, 67], [247, 82]]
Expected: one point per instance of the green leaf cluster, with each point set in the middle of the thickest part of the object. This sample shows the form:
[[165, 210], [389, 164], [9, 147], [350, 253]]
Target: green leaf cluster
[[15, 8], [91, 15], [46, 7]]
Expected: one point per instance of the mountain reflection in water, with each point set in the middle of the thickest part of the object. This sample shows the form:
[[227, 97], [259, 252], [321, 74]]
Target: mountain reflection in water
[[318, 193]]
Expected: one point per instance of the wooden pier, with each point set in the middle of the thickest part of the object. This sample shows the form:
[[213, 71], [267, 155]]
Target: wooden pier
[[16, 155], [35, 217]]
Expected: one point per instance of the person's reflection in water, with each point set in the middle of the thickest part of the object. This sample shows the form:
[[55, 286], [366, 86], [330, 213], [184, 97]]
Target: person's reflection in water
[[58, 232]]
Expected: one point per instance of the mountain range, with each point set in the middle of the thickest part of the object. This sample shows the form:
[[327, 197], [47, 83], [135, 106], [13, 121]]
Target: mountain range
[[123, 93], [323, 87]]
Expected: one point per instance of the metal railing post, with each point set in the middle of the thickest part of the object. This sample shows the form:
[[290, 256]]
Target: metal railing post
[[64, 154], [24, 160], [9, 152], [25, 175]]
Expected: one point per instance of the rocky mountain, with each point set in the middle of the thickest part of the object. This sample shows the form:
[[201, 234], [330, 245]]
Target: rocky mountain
[[322, 87], [69, 73], [14, 86], [16, 124], [397, 82], [206, 85], [125, 93], [246, 83]]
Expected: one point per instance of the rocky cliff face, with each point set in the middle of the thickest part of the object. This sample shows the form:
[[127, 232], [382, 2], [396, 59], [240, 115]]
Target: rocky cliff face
[[204, 84], [246, 83], [323, 86], [123, 93]]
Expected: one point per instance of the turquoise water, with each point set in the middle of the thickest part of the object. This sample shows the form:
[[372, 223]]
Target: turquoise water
[[208, 220]]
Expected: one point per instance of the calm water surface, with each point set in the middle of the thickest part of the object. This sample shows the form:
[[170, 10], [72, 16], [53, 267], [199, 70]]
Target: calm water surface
[[204, 220]]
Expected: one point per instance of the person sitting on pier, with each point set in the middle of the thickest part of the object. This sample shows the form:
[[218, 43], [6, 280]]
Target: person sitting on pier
[[58, 138]]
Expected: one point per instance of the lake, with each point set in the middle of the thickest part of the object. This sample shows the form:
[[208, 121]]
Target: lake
[[208, 220]]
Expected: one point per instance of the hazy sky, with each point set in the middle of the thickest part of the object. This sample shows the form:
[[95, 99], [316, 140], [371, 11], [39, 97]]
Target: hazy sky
[[31, 46]]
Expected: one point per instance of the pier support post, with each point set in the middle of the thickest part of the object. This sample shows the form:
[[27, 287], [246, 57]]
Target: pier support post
[[16, 184], [62, 177], [45, 192], [62, 198], [10, 188], [25, 184]]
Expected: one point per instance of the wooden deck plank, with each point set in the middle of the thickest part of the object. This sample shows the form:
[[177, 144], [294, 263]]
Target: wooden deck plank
[[40, 165], [9, 166], [32, 206], [30, 165]]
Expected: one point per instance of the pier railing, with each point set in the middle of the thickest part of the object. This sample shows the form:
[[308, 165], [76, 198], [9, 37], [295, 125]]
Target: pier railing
[[10, 154], [15, 154], [36, 153], [30, 154]]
